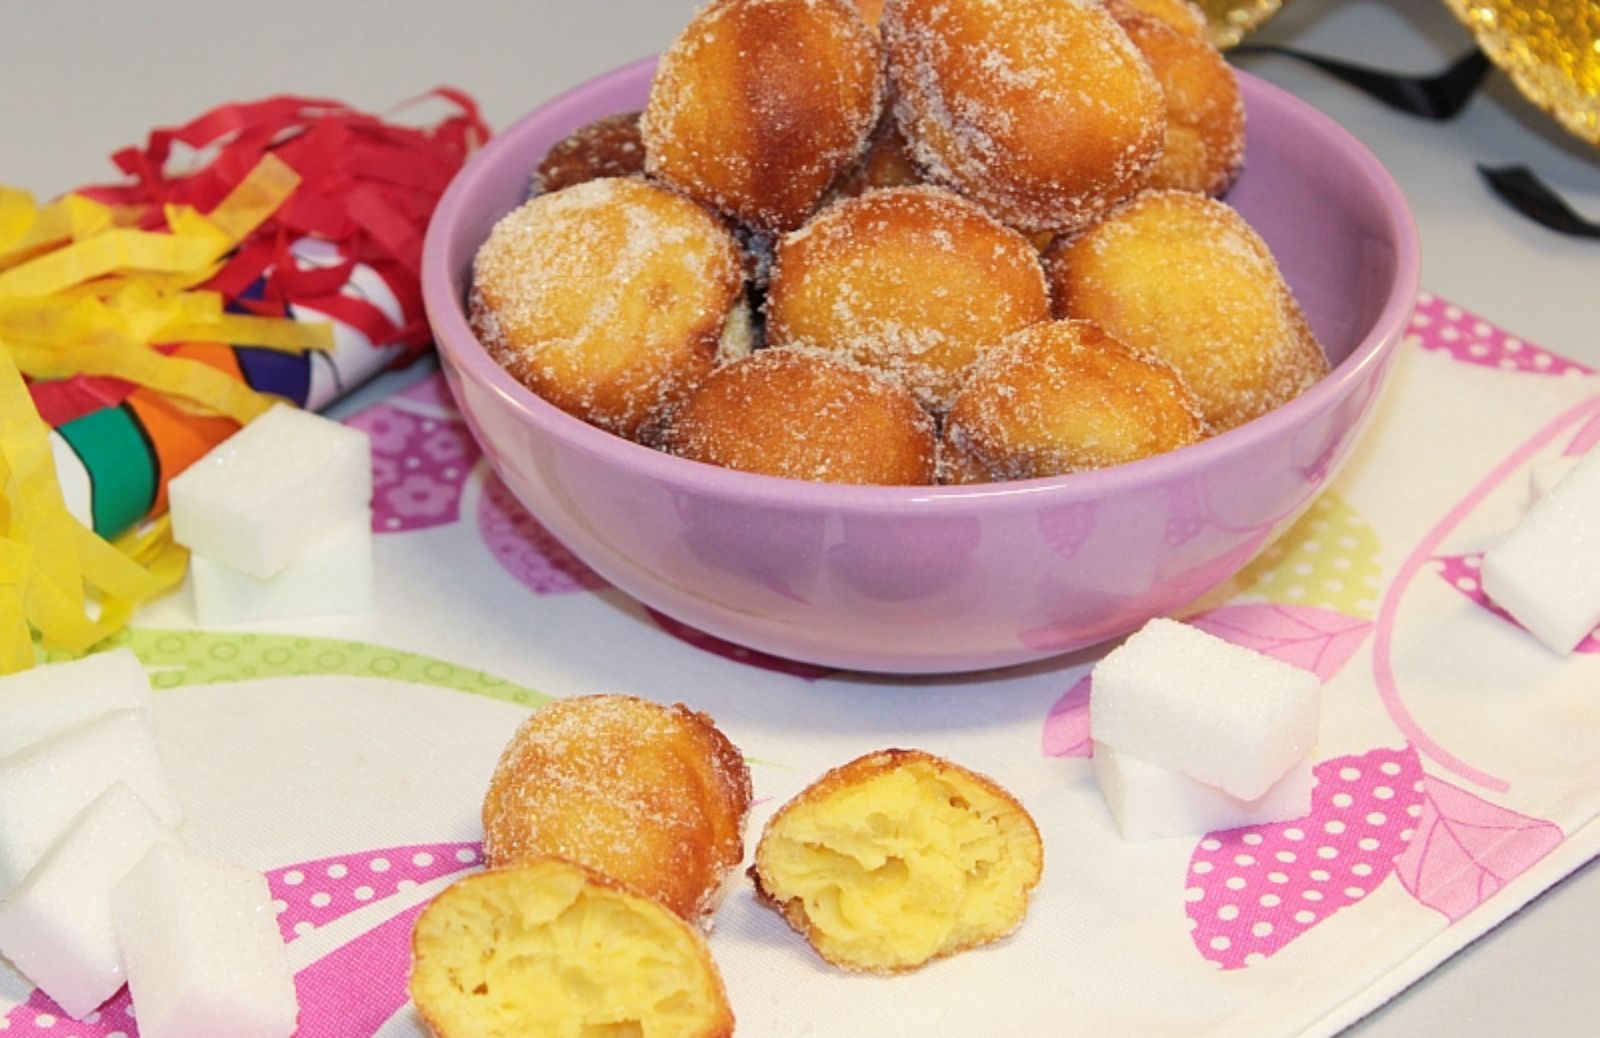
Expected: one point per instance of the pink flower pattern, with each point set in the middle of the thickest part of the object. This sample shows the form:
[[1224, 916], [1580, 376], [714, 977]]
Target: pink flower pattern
[[525, 549], [420, 465]]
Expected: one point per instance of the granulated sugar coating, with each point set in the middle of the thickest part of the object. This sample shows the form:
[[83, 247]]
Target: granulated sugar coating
[[873, 182], [1184, 278], [1042, 111], [1204, 148], [608, 298], [651, 796], [608, 147], [760, 104], [806, 414], [915, 282], [1065, 397]]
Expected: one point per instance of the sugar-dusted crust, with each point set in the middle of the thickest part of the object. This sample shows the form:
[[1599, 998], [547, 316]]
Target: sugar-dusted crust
[[1204, 148], [652, 796], [1041, 111], [913, 281], [607, 298], [931, 858], [1063, 397], [1183, 277], [609, 146], [551, 948], [803, 413], [759, 105]]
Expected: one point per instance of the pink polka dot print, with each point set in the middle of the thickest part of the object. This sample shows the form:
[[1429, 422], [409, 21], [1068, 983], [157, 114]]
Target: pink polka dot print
[[315, 893], [1447, 328], [525, 549], [39, 1017], [1462, 573], [1251, 891], [419, 465]]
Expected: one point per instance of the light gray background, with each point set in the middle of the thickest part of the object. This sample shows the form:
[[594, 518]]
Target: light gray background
[[79, 79]]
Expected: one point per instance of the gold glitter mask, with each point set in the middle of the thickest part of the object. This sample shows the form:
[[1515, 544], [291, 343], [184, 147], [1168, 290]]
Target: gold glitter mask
[[1551, 49]]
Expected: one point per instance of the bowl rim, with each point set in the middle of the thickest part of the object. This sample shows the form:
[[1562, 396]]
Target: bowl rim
[[453, 335]]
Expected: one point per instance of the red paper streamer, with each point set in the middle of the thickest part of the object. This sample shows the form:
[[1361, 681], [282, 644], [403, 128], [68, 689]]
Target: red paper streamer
[[367, 185]]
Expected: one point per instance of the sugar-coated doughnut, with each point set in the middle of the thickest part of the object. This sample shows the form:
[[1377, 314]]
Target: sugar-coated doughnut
[[759, 105], [607, 147], [899, 858], [1205, 113], [1042, 111], [1065, 397], [609, 298], [913, 281], [652, 796], [805, 414], [553, 949], [1185, 278]]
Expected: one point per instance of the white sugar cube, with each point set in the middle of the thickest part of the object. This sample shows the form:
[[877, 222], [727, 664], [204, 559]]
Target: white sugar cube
[[56, 928], [1225, 715], [44, 787], [1544, 475], [38, 703], [1546, 572], [203, 953], [268, 492], [1150, 802], [333, 576]]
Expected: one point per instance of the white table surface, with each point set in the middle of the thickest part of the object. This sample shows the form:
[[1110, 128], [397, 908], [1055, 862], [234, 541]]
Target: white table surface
[[79, 79]]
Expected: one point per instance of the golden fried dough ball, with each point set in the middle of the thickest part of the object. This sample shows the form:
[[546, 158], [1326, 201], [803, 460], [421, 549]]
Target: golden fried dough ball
[[899, 858], [760, 104], [609, 298], [1041, 111], [1205, 114], [1181, 15], [914, 281], [1184, 277], [550, 948], [607, 147], [805, 414], [652, 796], [1065, 397]]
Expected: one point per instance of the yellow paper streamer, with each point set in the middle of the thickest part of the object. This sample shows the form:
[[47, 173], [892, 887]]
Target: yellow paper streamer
[[83, 291], [17, 214], [16, 641]]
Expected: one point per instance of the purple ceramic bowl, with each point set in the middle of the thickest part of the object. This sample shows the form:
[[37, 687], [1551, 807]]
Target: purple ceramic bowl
[[944, 579]]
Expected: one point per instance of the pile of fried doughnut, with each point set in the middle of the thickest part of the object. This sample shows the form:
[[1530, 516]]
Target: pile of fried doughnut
[[905, 242], [613, 827]]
